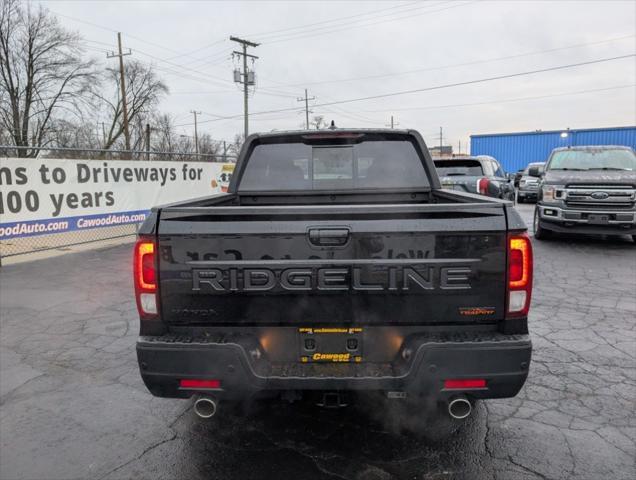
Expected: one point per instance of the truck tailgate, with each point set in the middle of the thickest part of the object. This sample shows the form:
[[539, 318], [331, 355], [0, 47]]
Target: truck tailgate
[[339, 265]]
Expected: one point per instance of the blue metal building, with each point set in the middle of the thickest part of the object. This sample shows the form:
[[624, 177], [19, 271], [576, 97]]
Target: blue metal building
[[516, 150]]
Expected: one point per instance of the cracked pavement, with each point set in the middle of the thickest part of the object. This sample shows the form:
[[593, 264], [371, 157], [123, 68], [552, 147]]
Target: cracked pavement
[[72, 404]]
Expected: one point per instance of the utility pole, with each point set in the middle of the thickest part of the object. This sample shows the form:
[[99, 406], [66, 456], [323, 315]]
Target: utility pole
[[440, 140], [459, 147], [245, 78], [122, 84], [393, 123], [306, 100], [196, 135], [224, 151], [147, 141]]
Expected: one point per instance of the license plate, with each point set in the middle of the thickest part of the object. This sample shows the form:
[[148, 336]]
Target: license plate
[[330, 344], [598, 219]]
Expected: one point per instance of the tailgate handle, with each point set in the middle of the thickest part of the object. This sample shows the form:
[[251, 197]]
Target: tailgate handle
[[328, 236]]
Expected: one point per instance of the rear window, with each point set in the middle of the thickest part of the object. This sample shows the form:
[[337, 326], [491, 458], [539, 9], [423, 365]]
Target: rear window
[[390, 164], [449, 168]]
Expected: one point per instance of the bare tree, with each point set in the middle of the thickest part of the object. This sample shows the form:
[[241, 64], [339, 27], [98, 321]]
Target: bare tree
[[318, 122], [66, 134], [209, 147], [235, 147], [164, 137], [144, 90], [42, 74]]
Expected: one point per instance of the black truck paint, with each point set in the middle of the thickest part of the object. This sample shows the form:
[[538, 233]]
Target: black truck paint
[[334, 289]]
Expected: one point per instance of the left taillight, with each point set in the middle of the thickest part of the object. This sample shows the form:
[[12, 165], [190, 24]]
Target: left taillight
[[482, 186], [519, 275], [145, 277]]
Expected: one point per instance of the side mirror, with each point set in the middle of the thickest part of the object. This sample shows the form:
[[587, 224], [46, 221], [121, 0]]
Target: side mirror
[[534, 172]]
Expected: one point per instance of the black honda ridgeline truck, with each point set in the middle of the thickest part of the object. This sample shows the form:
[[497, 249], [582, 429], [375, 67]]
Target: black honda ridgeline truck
[[335, 267]]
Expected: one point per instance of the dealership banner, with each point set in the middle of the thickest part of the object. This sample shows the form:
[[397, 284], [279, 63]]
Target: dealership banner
[[44, 196]]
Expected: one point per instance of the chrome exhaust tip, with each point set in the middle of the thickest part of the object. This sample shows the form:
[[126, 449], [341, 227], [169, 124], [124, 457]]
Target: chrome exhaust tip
[[459, 408], [205, 407]]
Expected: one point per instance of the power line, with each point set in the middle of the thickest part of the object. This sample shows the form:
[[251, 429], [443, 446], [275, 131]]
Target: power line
[[270, 32], [448, 85], [349, 114], [507, 100], [442, 67], [340, 23], [349, 26], [156, 45], [489, 102], [205, 47]]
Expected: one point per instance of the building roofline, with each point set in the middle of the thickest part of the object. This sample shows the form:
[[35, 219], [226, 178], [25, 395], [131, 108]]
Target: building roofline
[[569, 130]]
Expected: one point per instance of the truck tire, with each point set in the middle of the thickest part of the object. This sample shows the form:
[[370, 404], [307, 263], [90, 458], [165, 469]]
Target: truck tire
[[539, 233], [634, 239]]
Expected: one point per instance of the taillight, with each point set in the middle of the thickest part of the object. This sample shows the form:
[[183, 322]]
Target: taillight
[[145, 277], [519, 275], [482, 186]]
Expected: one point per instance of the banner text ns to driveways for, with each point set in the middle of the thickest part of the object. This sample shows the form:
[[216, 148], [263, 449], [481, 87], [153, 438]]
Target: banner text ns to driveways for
[[44, 196]]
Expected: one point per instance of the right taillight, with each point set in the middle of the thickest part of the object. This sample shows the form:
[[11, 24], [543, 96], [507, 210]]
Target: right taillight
[[145, 277], [482, 186], [519, 275]]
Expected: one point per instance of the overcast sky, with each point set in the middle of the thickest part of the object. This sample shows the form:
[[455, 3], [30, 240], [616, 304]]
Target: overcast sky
[[330, 47]]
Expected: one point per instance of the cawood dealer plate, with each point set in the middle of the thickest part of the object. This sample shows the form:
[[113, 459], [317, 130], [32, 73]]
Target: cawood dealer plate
[[330, 344]]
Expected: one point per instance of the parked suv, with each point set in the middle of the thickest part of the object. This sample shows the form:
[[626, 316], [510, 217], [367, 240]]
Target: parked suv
[[588, 190], [529, 185], [480, 174]]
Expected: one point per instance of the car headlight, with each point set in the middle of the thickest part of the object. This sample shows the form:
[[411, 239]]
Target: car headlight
[[522, 182], [552, 193]]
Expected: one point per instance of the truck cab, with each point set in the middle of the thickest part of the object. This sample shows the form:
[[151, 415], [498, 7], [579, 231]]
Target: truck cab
[[587, 190]]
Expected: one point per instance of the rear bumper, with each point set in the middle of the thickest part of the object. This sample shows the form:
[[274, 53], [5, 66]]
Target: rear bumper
[[503, 360]]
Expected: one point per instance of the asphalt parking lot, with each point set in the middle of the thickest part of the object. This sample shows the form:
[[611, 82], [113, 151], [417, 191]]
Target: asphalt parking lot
[[73, 404]]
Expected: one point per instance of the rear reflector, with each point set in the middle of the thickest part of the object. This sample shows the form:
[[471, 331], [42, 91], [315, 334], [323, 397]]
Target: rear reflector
[[517, 300], [198, 383], [463, 384], [148, 302]]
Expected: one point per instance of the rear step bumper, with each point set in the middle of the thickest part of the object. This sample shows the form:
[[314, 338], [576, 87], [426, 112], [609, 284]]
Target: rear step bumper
[[503, 360]]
